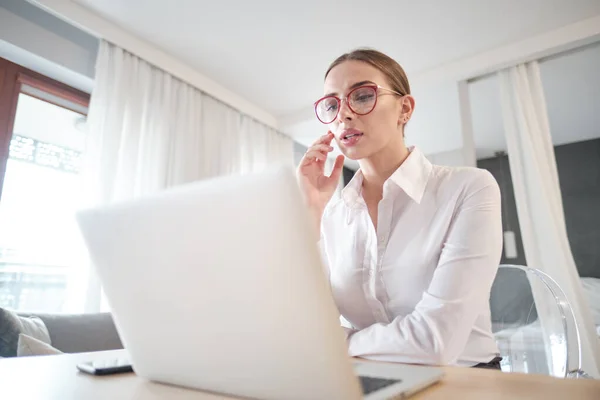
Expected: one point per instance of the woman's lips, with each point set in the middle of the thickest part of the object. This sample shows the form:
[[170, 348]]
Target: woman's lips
[[350, 137]]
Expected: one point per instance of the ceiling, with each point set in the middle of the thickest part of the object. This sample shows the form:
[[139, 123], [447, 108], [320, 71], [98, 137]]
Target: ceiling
[[274, 53]]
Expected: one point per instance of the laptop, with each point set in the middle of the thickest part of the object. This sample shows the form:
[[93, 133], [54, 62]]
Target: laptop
[[218, 286]]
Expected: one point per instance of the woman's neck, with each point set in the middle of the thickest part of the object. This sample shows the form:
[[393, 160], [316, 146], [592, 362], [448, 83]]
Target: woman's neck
[[380, 166]]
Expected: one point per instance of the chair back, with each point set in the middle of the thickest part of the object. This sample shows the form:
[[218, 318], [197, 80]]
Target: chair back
[[534, 324]]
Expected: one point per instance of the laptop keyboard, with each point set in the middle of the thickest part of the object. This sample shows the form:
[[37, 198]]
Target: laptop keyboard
[[370, 384]]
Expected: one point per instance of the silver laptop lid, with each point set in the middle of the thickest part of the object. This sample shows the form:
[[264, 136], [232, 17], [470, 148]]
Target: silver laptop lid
[[218, 285]]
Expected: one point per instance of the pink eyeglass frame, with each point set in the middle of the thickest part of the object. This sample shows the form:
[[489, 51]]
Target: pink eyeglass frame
[[339, 100]]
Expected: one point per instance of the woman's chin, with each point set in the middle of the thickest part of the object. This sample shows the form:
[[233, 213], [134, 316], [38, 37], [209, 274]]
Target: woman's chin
[[354, 153]]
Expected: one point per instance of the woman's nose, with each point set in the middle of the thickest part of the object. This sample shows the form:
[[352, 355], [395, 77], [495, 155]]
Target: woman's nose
[[346, 112]]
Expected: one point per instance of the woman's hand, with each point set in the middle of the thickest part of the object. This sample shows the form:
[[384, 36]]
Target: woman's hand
[[316, 187]]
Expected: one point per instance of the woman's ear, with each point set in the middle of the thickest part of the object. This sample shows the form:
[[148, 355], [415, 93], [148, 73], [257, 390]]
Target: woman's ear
[[407, 108]]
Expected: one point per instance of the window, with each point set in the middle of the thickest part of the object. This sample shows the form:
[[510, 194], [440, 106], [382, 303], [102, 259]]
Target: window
[[41, 143]]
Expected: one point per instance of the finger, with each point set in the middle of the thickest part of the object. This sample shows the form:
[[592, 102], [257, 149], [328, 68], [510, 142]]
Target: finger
[[315, 154], [309, 159], [337, 168], [325, 139], [328, 138], [321, 147]]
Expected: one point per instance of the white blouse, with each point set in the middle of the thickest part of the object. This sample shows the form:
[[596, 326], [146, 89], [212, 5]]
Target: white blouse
[[418, 289]]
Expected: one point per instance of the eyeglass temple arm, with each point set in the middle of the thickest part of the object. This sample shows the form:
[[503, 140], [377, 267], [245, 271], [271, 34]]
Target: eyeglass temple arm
[[390, 90]]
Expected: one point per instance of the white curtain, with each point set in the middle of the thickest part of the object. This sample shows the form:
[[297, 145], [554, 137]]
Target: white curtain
[[149, 130], [538, 196], [261, 145]]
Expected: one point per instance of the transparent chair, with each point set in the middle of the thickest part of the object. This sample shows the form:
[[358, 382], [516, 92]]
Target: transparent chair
[[533, 324]]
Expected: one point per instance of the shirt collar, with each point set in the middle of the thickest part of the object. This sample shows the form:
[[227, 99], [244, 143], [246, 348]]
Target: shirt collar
[[411, 177], [351, 193]]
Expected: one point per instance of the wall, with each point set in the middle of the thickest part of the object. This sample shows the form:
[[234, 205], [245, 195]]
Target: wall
[[299, 151], [452, 158], [572, 91], [39, 41], [579, 174], [435, 125]]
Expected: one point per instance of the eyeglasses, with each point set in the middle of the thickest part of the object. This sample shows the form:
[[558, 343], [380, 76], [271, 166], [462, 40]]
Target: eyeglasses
[[361, 101]]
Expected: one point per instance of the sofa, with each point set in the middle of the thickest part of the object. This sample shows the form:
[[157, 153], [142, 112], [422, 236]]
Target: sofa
[[68, 333]]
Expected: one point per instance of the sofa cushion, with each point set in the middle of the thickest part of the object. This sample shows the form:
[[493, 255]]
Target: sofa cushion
[[29, 346], [11, 325], [78, 333]]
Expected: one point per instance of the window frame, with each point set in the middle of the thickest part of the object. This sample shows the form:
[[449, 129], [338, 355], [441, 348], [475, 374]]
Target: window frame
[[12, 79]]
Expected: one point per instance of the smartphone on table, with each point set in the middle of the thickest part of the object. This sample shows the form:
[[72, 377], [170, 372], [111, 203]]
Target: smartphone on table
[[106, 367]]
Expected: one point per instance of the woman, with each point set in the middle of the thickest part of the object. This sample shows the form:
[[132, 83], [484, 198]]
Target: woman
[[412, 248]]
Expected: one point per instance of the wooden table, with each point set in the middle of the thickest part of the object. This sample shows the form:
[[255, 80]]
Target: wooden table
[[56, 377]]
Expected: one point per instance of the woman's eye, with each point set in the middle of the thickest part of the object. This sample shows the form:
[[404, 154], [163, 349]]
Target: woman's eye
[[363, 98]]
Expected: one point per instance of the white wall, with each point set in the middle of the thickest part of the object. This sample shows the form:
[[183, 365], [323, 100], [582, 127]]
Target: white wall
[[37, 40], [453, 158], [572, 89], [435, 125]]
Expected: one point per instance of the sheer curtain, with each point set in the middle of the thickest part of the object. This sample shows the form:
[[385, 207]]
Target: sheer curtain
[[149, 130], [262, 145], [538, 195]]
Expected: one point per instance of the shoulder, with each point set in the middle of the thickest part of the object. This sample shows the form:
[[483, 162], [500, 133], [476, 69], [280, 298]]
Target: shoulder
[[467, 181]]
